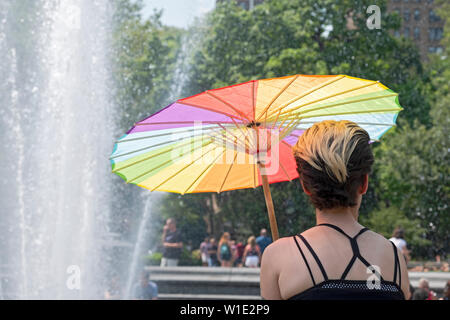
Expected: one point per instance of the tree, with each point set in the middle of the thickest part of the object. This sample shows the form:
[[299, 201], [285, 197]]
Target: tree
[[286, 37], [385, 220], [145, 54], [412, 162]]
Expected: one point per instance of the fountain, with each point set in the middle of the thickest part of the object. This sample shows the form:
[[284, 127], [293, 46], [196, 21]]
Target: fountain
[[56, 119], [179, 79], [58, 235]]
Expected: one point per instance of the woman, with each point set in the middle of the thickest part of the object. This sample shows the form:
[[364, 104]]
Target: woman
[[212, 252], [338, 258], [224, 252], [398, 238], [252, 253], [204, 251]]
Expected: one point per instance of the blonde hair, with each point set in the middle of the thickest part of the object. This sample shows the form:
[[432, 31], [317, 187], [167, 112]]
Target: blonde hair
[[251, 241], [331, 157], [328, 146], [225, 238]]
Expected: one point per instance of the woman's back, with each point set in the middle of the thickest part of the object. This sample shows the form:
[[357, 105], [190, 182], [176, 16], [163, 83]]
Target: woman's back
[[339, 258], [308, 267], [252, 250]]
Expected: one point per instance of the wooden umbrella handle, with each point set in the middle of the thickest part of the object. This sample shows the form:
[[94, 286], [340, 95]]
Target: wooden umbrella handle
[[269, 203]]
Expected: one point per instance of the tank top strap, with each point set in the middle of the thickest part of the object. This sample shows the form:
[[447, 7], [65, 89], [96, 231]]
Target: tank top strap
[[306, 261], [314, 256], [396, 266], [355, 248], [342, 231]]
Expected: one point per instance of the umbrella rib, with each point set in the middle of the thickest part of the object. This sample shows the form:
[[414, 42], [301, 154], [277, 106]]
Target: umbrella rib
[[282, 123], [296, 135], [289, 127], [242, 141], [285, 172], [227, 104], [368, 123], [234, 143], [164, 134], [308, 92], [243, 133], [275, 98], [225, 140], [226, 175], [205, 108], [253, 99], [276, 119], [254, 173], [209, 166], [344, 103], [154, 155], [177, 122], [156, 145], [331, 96], [188, 165], [352, 112], [159, 166]]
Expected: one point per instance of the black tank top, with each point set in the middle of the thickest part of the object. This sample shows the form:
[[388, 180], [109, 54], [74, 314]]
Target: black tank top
[[338, 289], [252, 252]]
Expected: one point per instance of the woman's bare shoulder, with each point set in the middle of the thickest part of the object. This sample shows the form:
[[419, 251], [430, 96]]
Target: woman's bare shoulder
[[379, 238], [278, 247]]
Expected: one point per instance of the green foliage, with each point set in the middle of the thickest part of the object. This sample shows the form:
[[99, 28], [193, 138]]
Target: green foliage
[[284, 37], [409, 185], [188, 212], [189, 258], [385, 220], [153, 259], [412, 165], [143, 59], [145, 55]]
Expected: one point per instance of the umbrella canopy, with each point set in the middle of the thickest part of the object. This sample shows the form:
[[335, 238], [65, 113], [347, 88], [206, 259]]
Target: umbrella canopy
[[238, 136]]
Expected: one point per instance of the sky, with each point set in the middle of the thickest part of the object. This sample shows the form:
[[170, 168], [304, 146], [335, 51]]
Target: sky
[[178, 13]]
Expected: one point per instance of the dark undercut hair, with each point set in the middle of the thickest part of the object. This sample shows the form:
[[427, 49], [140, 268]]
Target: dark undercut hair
[[332, 159]]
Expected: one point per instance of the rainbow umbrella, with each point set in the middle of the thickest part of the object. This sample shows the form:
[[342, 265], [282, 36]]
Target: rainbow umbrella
[[241, 136]]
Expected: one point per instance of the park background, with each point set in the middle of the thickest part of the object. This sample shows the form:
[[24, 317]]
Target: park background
[[150, 64], [409, 185]]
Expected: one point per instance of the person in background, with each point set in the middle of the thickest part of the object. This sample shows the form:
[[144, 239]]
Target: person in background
[[425, 286], [263, 240], [212, 251], [145, 289], [252, 253], [204, 251], [224, 252], [446, 291], [419, 294], [172, 244], [233, 246], [398, 238], [239, 252], [113, 291]]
